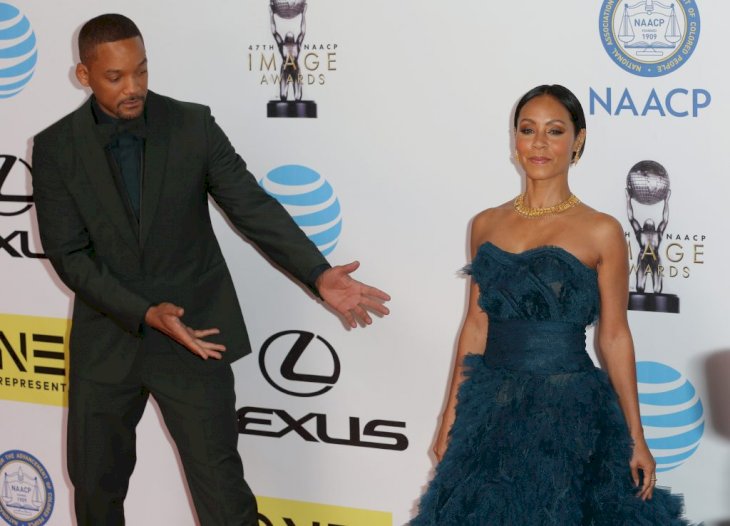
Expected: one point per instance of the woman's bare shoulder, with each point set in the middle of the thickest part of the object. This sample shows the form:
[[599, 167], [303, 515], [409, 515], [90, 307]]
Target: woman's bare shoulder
[[487, 220], [492, 214], [604, 230]]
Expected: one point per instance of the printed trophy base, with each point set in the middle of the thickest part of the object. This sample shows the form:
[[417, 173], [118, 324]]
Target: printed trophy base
[[292, 108], [652, 302]]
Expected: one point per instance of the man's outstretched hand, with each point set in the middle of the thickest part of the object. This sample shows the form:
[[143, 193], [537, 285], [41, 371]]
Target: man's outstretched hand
[[349, 297], [165, 317]]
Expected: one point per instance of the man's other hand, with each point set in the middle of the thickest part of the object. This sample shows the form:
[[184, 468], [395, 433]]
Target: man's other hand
[[165, 317]]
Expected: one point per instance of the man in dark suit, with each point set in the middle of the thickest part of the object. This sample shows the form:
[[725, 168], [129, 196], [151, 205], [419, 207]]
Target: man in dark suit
[[121, 188]]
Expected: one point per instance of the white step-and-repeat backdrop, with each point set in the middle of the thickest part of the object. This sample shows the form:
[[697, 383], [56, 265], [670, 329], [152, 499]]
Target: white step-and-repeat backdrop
[[410, 140]]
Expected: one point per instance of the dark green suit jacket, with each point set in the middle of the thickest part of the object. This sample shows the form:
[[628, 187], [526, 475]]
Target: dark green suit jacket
[[118, 268]]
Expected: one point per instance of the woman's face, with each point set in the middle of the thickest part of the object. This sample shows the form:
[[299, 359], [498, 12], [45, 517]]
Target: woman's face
[[546, 138]]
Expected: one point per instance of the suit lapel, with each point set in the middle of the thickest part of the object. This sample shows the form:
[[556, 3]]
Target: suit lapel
[[97, 169], [155, 160]]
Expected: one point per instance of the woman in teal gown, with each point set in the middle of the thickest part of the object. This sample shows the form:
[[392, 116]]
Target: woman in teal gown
[[533, 433]]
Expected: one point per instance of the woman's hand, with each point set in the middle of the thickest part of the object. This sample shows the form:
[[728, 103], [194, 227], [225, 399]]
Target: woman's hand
[[643, 460]]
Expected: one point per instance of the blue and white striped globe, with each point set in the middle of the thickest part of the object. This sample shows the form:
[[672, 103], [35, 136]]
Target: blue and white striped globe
[[310, 200], [18, 51], [671, 413]]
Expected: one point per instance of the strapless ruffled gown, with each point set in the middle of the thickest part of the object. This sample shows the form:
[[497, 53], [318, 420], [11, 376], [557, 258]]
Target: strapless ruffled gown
[[539, 438]]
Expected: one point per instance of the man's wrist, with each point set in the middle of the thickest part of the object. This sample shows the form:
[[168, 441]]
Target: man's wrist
[[315, 275]]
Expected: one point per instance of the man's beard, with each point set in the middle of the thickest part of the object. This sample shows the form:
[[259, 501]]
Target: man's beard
[[128, 116]]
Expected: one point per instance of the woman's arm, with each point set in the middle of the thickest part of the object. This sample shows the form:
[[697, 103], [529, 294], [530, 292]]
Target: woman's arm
[[472, 340], [616, 345]]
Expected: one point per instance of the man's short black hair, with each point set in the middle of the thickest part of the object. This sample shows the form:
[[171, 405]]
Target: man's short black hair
[[109, 27]]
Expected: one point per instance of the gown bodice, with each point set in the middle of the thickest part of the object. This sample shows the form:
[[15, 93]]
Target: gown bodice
[[546, 283], [539, 302]]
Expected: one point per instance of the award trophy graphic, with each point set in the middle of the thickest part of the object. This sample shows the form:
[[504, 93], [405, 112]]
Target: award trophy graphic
[[291, 76], [648, 184]]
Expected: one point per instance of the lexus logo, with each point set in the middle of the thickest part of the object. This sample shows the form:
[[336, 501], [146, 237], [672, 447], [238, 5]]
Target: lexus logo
[[299, 363], [21, 203]]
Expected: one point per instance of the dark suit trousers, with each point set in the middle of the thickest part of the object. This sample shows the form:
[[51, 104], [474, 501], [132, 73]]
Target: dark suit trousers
[[199, 411]]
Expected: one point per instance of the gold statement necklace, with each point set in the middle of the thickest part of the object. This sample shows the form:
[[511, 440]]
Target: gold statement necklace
[[532, 213]]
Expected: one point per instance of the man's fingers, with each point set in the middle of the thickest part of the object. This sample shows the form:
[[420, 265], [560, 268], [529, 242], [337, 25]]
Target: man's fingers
[[350, 319], [375, 306], [343, 271], [376, 292], [362, 315], [351, 267], [201, 349], [358, 312], [211, 346], [210, 349], [165, 317], [204, 333], [209, 353], [192, 340]]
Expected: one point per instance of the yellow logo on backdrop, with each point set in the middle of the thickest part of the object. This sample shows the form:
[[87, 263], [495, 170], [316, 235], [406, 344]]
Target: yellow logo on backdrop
[[281, 512], [34, 359]]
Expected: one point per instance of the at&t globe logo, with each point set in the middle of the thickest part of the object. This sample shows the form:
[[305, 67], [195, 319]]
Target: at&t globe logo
[[647, 37], [310, 200], [18, 52], [671, 413]]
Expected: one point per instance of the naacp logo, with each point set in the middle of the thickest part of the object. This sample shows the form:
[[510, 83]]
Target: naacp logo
[[18, 51], [11, 202], [27, 495], [647, 37], [311, 202], [299, 363], [671, 414]]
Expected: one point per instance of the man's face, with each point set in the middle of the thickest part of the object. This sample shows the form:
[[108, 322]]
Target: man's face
[[117, 74]]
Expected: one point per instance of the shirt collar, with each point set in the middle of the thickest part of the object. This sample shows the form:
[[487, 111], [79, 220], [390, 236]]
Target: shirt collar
[[112, 127]]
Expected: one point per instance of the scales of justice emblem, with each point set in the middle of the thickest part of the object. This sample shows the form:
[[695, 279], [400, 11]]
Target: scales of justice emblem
[[648, 184], [284, 17], [647, 29], [22, 495]]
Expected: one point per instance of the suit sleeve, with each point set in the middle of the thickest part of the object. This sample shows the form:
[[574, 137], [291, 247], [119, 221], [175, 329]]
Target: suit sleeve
[[67, 244], [255, 214]]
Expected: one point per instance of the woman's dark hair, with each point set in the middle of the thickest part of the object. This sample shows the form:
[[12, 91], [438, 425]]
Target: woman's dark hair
[[565, 97], [110, 27]]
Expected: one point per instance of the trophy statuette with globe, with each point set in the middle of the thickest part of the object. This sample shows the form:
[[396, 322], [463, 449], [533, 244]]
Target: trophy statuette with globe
[[647, 183], [288, 9], [289, 37]]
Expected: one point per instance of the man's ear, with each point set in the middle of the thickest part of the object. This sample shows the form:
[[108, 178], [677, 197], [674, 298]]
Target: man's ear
[[82, 74]]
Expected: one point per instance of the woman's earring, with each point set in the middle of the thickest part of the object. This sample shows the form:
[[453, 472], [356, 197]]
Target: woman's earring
[[576, 157], [517, 156]]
